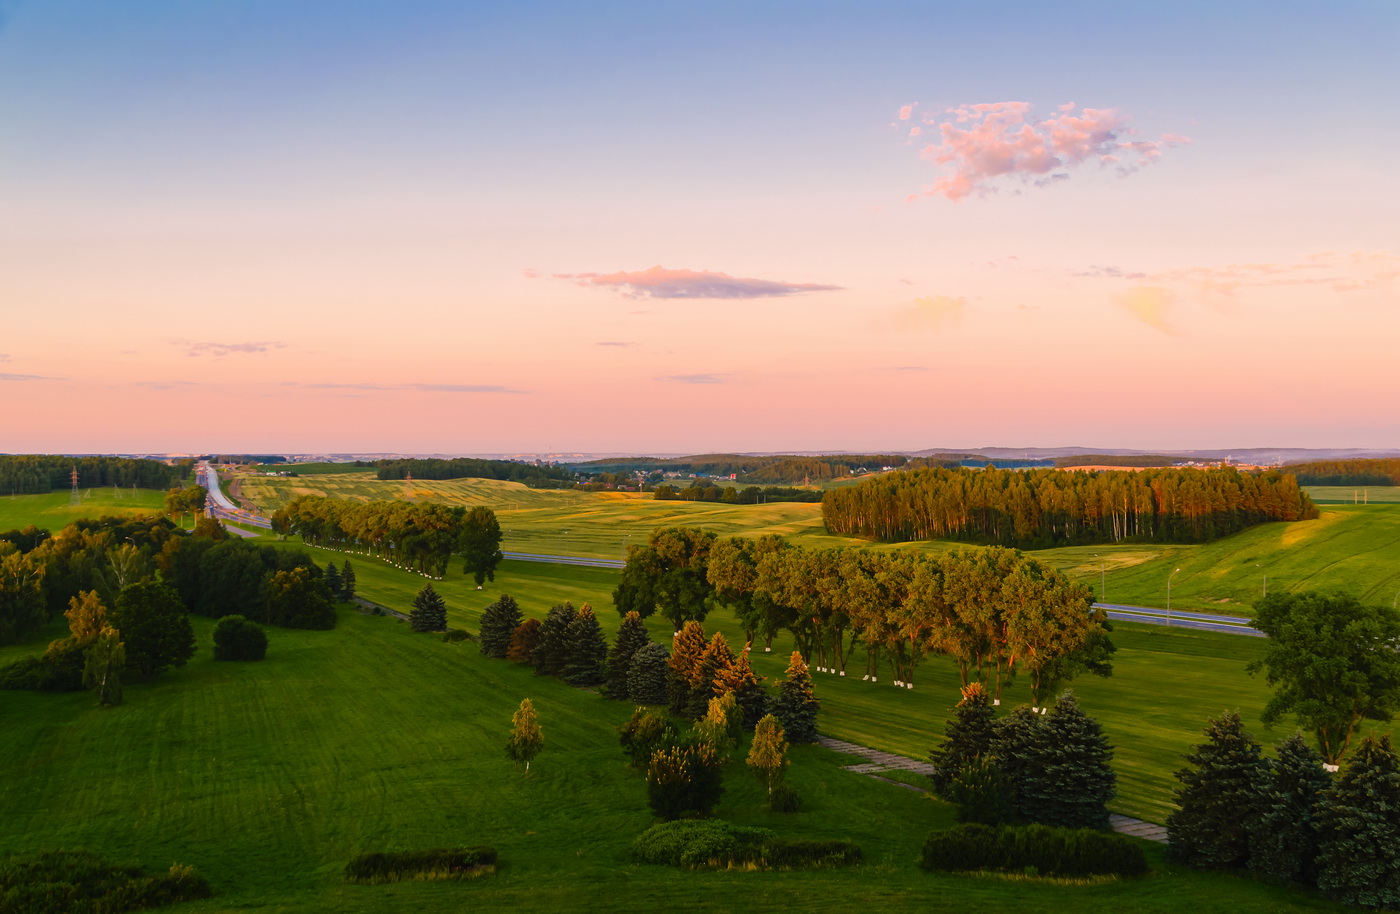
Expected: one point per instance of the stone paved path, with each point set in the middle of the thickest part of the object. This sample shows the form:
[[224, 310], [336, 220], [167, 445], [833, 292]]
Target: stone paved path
[[877, 762]]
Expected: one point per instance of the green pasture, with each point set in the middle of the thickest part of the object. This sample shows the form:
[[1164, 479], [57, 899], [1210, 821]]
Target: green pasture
[[1354, 495], [51, 510], [269, 776], [319, 469]]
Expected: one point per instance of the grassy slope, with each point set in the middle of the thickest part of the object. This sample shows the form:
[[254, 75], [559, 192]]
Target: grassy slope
[[268, 776]]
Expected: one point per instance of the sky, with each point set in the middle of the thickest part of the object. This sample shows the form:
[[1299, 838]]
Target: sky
[[534, 227]]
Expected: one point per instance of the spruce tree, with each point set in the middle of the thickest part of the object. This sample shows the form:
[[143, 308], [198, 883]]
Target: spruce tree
[[686, 649], [795, 706], [429, 613], [1072, 778], [524, 641], [631, 635], [648, 675], [332, 581], [1209, 829], [588, 650], [347, 581], [747, 688], [552, 652], [1282, 830], [1002, 775], [1358, 829], [717, 659], [498, 623], [968, 737]]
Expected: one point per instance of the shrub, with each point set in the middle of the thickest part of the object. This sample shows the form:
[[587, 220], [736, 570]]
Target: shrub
[[77, 882], [1016, 849], [58, 670], [684, 781], [453, 635], [643, 734], [435, 864], [981, 793], [719, 845], [784, 799], [235, 638]]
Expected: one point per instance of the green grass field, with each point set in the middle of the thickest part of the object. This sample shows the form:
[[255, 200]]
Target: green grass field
[[1354, 495], [268, 776], [51, 511]]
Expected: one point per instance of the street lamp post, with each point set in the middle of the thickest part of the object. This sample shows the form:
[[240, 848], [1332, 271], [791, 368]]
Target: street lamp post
[[1169, 596], [1101, 577], [1266, 579]]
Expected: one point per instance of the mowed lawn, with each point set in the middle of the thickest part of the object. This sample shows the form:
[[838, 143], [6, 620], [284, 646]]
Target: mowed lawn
[[268, 776], [51, 511]]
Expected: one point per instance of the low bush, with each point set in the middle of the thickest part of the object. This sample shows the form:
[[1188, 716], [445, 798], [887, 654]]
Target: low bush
[[643, 734], [60, 669], [711, 844], [1045, 850], [784, 799], [435, 864], [453, 635], [684, 781], [236, 638], [77, 882]]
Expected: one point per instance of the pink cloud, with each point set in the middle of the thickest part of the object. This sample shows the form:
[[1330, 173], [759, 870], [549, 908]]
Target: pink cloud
[[905, 112], [659, 282], [980, 144]]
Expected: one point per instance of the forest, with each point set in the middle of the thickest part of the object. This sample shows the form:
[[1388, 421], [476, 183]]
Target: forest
[[1379, 472], [1046, 508], [35, 474]]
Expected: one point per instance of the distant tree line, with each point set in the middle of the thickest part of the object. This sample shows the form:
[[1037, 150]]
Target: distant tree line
[[1116, 460], [779, 468], [244, 458], [1379, 472], [35, 474], [419, 537], [702, 490], [532, 475], [1042, 508]]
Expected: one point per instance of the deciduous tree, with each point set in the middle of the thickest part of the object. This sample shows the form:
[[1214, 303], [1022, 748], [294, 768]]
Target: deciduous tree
[[480, 545], [154, 628], [102, 665], [526, 738], [768, 754]]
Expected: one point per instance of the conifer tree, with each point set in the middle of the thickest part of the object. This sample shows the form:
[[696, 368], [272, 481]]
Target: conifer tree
[[526, 738], [686, 648], [552, 652], [722, 725], [768, 754], [795, 706], [1358, 829], [588, 650], [1209, 829], [1070, 762], [748, 689], [631, 635], [715, 660], [643, 735], [498, 624], [524, 642], [1282, 830], [648, 674], [684, 781], [347, 581], [332, 581], [429, 613], [968, 737], [102, 666]]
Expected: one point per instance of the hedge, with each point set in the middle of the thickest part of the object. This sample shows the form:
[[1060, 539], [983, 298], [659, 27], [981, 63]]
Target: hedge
[[1018, 849], [438, 863], [694, 844]]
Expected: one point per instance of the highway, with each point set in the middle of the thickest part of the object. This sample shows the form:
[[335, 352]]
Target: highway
[[219, 504], [1234, 625]]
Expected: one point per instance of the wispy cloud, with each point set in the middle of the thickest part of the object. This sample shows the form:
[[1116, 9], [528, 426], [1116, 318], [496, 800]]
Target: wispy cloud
[[4, 356], [219, 350], [427, 388], [613, 343], [695, 378], [1150, 305], [5, 376], [1357, 271], [983, 146], [659, 282], [932, 311]]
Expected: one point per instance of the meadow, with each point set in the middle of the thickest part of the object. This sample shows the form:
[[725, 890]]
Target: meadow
[[51, 511]]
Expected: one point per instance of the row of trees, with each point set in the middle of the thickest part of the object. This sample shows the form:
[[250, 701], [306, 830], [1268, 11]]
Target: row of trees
[[995, 612], [534, 475], [33, 474], [419, 537], [1287, 819], [217, 577], [1043, 508], [700, 490]]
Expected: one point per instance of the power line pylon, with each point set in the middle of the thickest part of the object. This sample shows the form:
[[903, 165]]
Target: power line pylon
[[75, 499]]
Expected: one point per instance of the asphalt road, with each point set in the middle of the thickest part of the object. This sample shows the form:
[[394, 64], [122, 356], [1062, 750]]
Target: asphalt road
[[220, 505], [1234, 625]]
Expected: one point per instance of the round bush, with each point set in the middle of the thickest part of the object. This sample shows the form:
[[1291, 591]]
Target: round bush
[[235, 638], [784, 799]]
